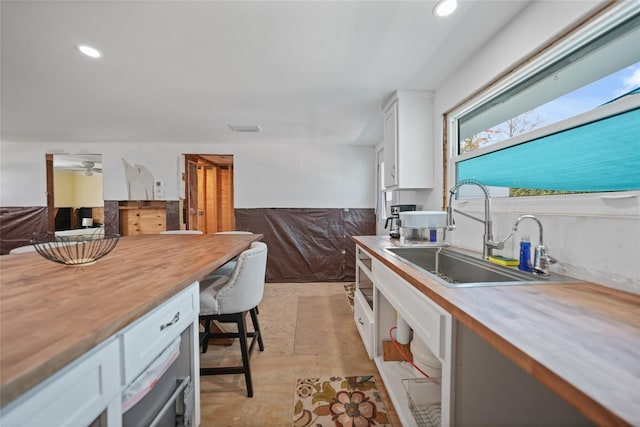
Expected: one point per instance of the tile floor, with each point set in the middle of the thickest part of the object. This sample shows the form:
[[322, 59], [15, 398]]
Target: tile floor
[[308, 331]]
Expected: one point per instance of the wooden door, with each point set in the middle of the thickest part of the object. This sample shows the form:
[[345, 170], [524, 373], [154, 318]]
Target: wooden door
[[191, 190], [209, 193], [202, 200], [210, 190], [226, 217], [51, 210]]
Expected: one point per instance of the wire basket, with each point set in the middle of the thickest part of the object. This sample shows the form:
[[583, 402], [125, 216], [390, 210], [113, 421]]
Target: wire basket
[[424, 395], [78, 250]]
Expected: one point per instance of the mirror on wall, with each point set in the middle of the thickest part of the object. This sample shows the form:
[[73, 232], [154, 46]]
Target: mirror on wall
[[74, 186]]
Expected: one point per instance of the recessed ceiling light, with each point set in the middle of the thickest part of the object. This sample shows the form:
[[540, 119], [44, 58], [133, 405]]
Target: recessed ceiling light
[[89, 51], [445, 7], [245, 128]]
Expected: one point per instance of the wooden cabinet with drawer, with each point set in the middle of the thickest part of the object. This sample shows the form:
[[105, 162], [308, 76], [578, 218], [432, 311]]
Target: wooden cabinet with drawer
[[142, 220]]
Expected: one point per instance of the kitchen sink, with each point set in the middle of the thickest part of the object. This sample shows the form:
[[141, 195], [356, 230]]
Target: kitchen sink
[[456, 269]]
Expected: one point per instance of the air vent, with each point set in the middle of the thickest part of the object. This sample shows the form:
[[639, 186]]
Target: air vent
[[245, 128]]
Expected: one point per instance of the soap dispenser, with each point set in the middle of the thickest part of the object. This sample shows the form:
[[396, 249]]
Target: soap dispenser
[[525, 254]]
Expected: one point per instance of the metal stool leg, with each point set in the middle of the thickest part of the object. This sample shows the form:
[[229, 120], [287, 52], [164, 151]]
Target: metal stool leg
[[256, 327], [242, 331], [205, 338]]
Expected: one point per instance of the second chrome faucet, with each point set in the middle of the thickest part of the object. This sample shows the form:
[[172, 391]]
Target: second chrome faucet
[[541, 259]]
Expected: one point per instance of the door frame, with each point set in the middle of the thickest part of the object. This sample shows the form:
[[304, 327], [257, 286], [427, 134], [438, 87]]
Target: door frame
[[211, 209], [51, 213]]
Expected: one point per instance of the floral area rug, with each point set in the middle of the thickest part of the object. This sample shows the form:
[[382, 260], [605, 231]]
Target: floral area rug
[[338, 402], [350, 290]]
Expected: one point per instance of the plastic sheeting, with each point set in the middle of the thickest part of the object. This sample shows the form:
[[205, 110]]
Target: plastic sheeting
[[18, 224], [308, 245]]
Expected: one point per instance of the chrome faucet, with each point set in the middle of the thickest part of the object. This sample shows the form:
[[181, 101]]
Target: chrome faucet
[[488, 245], [541, 259]]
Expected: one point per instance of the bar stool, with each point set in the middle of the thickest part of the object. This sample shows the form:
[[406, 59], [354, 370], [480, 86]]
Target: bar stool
[[228, 299]]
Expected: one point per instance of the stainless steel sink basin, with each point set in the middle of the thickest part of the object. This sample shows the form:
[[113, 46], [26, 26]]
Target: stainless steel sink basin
[[458, 270]]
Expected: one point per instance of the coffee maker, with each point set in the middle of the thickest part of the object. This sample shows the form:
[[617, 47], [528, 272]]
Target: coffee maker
[[393, 220]]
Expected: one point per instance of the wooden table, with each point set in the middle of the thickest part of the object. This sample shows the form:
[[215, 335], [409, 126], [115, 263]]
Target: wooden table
[[50, 314], [581, 340]]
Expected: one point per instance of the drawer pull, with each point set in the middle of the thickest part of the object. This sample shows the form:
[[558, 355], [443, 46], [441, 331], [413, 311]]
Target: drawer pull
[[175, 320], [360, 321]]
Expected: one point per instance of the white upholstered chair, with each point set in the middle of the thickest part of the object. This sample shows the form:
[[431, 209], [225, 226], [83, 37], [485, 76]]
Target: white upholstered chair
[[228, 299], [181, 232]]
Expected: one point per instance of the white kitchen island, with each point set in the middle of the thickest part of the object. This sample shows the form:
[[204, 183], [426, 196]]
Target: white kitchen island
[[73, 339]]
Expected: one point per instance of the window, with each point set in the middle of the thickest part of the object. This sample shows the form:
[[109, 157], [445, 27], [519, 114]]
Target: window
[[621, 83], [561, 123]]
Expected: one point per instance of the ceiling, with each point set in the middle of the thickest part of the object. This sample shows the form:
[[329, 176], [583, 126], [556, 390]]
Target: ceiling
[[182, 71]]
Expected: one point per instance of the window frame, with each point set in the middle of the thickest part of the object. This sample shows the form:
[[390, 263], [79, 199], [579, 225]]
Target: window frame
[[566, 204]]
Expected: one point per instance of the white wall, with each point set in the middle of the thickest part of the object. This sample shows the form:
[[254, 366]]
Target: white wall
[[303, 176], [601, 248]]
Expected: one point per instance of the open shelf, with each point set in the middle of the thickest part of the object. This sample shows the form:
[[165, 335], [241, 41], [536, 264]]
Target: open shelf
[[366, 262], [393, 374], [395, 298], [364, 269], [364, 276], [363, 299], [424, 395], [367, 293]]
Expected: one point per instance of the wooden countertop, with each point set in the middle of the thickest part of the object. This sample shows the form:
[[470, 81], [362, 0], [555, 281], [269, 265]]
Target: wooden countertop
[[580, 340], [50, 314]]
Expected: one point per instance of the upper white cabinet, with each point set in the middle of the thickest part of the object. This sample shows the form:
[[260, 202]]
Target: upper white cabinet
[[408, 140]]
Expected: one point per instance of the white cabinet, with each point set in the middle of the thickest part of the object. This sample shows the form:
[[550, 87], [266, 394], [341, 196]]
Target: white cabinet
[[363, 300], [433, 325], [143, 342], [74, 396], [376, 315], [408, 140], [88, 391], [145, 339], [477, 384]]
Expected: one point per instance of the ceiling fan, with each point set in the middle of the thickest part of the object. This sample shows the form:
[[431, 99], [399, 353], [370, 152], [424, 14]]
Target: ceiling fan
[[88, 164], [87, 167], [90, 168]]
